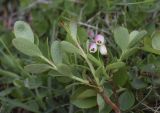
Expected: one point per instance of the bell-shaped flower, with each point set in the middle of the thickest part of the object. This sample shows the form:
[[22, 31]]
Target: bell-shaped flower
[[99, 39], [92, 47], [90, 34], [103, 50]]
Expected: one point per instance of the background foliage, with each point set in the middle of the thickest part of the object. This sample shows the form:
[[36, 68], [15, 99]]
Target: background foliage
[[28, 80]]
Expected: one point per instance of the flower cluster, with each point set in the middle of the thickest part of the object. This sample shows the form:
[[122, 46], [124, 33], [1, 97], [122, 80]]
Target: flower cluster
[[97, 42]]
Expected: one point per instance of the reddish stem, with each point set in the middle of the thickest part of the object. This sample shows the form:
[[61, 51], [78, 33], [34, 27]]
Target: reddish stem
[[109, 102]]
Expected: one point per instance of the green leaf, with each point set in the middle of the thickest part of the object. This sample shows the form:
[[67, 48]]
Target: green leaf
[[100, 102], [103, 108], [151, 50], [64, 69], [126, 100], [84, 103], [64, 79], [135, 37], [120, 77], [86, 93], [84, 97], [56, 52], [17, 103], [26, 47], [23, 30], [115, 65], [37, 68], [94, 60], [121, 37], [156, 41], [8, 74], [82, 35], [73, 30], [69, 47], [132, 35], [138, 84], [33, 82], [126, 54], [6, 91]]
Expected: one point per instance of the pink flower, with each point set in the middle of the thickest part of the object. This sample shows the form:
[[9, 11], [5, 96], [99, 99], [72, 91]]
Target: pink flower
[[99, 39], [90, 33], [103, 50], [93, 47]]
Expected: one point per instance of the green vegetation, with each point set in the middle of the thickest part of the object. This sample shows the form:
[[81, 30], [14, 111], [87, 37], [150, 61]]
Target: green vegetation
[[79, 56]]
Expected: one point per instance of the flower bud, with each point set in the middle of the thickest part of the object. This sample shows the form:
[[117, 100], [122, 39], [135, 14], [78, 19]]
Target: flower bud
[[103, 50], [90, 33], [93, 47], [99, 39]]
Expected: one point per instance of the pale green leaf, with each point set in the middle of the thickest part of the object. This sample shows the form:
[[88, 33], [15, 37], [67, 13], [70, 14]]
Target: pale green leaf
[[135, 37], [23, 30], [26, 47], [69, 47], [73, 30], [156, 41], [37, 68], [121, 37], [56, 52]]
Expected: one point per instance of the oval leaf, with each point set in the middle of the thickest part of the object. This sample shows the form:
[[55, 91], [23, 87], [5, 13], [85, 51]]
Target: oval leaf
[[156, 41], [26, 47], [84, 103], [120, 77], [121, 37], [23, 30], [56, 52], [73, 30], [64, 69], [37, 68], [132, 35], [69, 47], [87, 93], [135, 37], [126, 100], [115, 65]]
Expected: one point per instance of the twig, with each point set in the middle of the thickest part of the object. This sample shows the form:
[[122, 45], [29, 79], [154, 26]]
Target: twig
[[149, 108], [157, 110], [97, 14], [93, 27]]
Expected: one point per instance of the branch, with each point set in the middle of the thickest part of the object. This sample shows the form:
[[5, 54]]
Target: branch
[[109, 102]]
